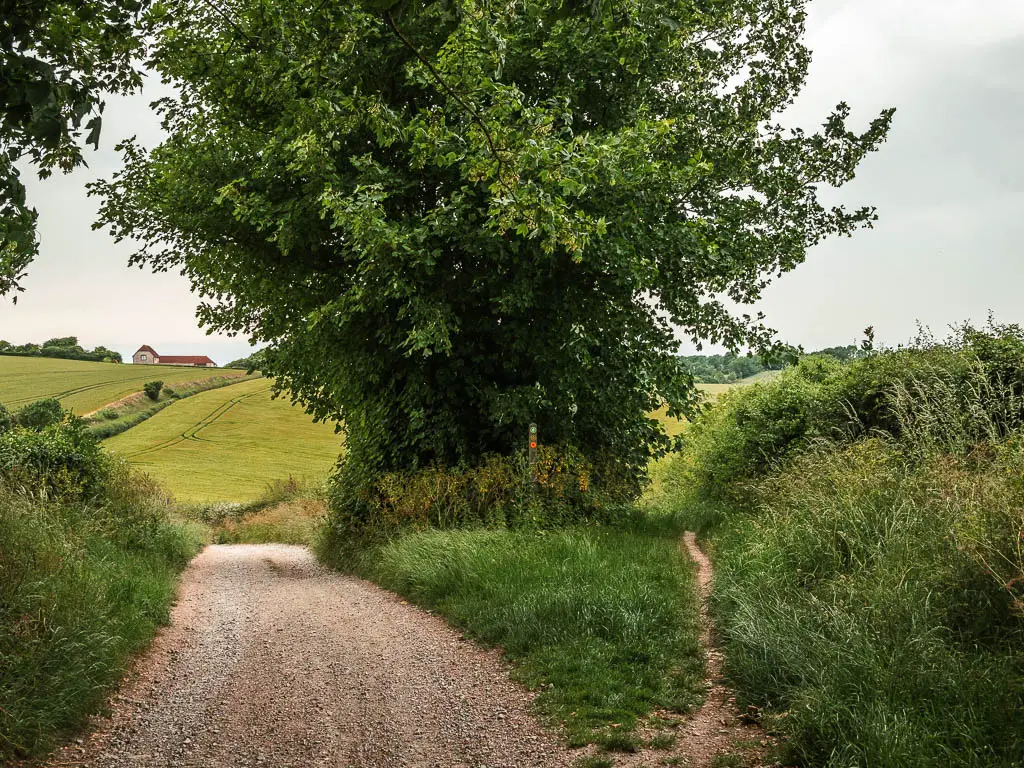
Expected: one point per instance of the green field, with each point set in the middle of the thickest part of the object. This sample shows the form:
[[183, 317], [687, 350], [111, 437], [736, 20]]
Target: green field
[[676, 426], [85, 387], [227, 444]]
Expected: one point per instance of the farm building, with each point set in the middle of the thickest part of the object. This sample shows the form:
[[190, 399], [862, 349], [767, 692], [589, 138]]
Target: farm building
[[146, 355]]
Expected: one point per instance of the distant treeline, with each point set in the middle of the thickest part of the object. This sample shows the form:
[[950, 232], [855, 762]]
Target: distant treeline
[[251, 363], [727, 368], [66, 347]]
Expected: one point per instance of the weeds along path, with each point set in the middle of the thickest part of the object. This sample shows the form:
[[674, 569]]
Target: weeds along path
[[192, 433], [272, 660]]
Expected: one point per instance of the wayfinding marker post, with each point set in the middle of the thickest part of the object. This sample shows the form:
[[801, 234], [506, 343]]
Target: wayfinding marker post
[[533, 451]]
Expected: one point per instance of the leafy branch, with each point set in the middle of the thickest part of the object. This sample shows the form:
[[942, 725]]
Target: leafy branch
[[473, 113]]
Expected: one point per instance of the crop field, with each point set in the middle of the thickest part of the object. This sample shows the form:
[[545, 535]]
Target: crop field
[[676, 426], [227, 444], [85, 387]]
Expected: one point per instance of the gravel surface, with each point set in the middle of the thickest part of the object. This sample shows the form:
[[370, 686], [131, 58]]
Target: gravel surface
[[272, 660]]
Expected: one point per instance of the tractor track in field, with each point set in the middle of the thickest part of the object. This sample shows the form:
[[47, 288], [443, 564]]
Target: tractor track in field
[[192, 432], [84, 388], [74, 391], [273, 660]]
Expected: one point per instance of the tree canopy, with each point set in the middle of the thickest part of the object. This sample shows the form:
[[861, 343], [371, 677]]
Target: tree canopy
[[451, 219], [57, 59]]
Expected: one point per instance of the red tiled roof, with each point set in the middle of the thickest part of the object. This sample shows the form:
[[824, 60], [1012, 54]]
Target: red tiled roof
[[146, 348], [185, 359]]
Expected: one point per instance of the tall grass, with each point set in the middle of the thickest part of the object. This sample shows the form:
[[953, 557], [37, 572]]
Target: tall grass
[[601, 620], [855, 603], [868, 528], [83, 586]]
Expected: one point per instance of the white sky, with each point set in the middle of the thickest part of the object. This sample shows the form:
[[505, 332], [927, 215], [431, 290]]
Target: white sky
[[949, 187]]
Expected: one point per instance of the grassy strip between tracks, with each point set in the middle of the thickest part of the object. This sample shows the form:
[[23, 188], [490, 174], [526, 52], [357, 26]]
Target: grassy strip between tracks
[[601, 620]]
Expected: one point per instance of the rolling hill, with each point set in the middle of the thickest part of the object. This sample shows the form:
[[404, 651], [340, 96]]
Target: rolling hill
[[85, 387], [676, 426], [227, 444]]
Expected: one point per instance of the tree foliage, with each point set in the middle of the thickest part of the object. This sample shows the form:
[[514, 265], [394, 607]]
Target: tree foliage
[[729, 367], [57, 59], [451, 219], [152, 389], [252, 363], [40, 414]]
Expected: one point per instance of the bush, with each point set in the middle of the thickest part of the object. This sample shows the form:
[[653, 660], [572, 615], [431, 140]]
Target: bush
[[87, 564], [967, 390], [62, 459], [41, 414], [501, 492], [152, 389], [7, 421]]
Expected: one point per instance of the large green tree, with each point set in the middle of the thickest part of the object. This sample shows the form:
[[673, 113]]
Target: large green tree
[[57, 60], [450, 219]]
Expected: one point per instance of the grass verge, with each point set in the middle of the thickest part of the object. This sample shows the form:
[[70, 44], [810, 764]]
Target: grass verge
[[601, 620], [867, 524], [855, 607], [82, 589]]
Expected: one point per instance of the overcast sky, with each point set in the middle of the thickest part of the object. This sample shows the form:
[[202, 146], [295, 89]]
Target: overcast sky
[[949, 187]]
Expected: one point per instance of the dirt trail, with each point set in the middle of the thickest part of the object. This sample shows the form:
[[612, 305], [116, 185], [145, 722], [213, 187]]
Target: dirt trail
[[272, 660], [716, 728]]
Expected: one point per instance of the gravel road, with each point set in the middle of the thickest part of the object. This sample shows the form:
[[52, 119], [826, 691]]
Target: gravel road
[[272, 660]]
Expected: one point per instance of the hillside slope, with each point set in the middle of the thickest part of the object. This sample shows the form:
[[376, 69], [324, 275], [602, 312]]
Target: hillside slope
[[84, 387], [227, 444], [676, 426]]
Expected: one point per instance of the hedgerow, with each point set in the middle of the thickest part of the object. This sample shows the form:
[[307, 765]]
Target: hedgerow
[[88, 558], [562, 489], [869, 536]]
